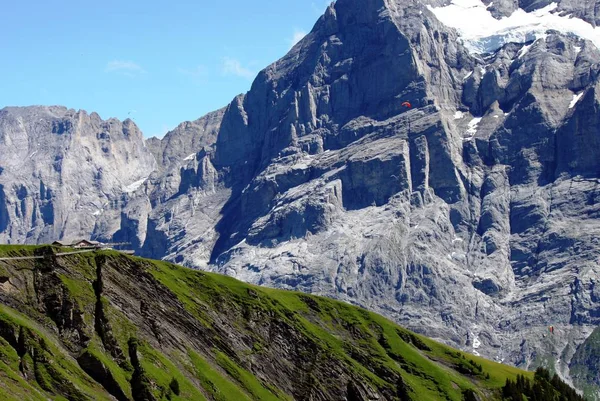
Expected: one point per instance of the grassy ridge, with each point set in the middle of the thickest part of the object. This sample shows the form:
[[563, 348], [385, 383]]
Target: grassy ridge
[[431, 371], [206, 336]]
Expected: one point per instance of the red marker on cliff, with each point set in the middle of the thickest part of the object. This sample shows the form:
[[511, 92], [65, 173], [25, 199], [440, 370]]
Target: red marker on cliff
[[408, 106]]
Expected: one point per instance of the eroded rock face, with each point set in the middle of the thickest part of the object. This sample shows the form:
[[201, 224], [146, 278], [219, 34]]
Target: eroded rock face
[[66, 174], [470, 217]]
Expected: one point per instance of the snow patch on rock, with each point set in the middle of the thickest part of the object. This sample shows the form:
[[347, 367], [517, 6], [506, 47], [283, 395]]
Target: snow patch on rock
[[472, 127], [576, 99], [524, 50], [134, 186], [484, 33]]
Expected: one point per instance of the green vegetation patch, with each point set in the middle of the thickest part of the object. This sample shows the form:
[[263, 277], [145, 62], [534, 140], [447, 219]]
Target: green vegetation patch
[[122, 328], [187, 285], [200, 292], [54, 371], [8, 354], [121, 376], [161, 371], [219, 387], [426, 379], [14, 387], [247, 380], [83, 264], [11, 251], [4, 274], [82, 291]]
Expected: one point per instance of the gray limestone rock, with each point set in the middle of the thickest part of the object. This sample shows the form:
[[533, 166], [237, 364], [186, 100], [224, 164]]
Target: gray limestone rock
[[66, 173]]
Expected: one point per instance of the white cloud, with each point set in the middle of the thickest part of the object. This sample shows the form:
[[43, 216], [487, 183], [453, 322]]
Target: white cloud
[[232, 66], [198, 74], [298, 36], [128, 68]]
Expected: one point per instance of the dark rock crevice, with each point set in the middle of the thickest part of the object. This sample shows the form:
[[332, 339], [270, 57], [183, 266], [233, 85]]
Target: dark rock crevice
[[100, 373], [101, 321], [88, 360], [140, 384]]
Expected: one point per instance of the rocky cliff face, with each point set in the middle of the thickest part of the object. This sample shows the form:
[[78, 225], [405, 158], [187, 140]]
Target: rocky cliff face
[[471, 216], [66, 174]]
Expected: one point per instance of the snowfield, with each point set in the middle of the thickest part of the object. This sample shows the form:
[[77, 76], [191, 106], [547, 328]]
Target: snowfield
[[484, 33]]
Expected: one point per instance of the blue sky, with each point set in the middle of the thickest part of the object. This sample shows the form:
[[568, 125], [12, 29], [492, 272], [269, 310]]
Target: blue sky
[[159, 62]]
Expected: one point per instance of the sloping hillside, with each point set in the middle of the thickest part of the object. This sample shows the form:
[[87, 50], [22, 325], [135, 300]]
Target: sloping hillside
[[102, 325]]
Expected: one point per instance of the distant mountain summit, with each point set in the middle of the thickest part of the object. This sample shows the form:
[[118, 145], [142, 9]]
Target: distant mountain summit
[[471, 217]]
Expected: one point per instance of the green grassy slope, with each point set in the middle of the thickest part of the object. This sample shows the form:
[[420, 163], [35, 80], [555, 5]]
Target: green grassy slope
[[102, 325]]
